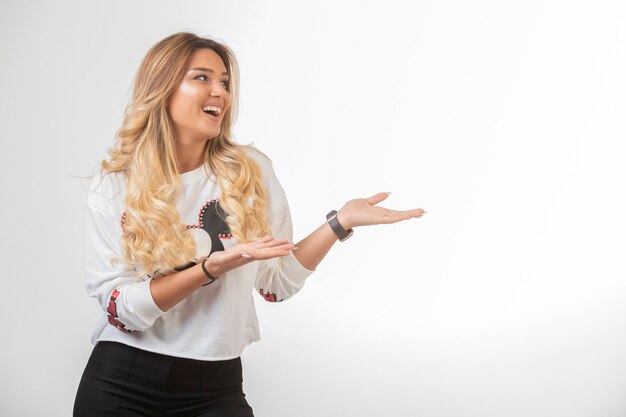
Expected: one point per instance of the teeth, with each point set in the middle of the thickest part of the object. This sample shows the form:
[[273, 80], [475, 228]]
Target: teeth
[[213, 108]]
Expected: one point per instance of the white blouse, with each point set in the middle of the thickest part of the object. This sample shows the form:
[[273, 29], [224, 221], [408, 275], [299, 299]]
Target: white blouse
[[218, 320]]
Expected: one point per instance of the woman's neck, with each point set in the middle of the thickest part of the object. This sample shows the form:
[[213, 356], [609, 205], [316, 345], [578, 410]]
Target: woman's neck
[[190, 156]]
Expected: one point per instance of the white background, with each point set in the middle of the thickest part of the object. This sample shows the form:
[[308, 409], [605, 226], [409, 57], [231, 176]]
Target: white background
[[504, 120]]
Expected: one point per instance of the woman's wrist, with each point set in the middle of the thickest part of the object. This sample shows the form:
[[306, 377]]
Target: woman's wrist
[[343, 220], [209, 270]]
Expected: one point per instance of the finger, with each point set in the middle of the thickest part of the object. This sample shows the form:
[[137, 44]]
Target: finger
[[396, 216], [278, 250], [257, 243], [284, 243], [377, 198], [412, 214], [264, 245], [285, 247], [276, 242], [416, 213], [271, 252]]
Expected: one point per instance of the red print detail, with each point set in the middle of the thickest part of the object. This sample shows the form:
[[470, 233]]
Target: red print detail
[[269, 296], [112, 310]]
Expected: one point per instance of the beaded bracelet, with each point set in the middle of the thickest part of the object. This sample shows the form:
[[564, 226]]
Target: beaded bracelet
[[211, 277]]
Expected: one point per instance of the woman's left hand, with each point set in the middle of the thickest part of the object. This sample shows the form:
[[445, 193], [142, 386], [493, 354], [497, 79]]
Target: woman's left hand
[[363, 212]]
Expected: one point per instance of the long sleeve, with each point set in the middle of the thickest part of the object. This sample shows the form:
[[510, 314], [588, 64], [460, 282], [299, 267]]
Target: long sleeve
[[279, 278], [126, 300]]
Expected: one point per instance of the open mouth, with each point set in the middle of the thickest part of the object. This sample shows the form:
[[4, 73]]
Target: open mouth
[[212, 112], [214, 116]]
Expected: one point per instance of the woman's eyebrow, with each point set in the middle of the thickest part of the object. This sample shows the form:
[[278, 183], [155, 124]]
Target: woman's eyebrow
[[206, 70]]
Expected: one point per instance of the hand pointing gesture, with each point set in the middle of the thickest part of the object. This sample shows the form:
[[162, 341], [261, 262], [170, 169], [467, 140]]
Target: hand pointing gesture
[[363, 212]]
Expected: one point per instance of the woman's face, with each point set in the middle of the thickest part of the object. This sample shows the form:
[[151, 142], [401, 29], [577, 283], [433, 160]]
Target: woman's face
[[204, 84]]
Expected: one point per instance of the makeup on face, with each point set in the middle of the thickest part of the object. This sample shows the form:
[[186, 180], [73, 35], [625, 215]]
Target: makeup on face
[[204, 89]]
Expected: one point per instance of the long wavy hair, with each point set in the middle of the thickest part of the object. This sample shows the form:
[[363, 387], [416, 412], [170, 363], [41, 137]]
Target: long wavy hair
[[154, 237]]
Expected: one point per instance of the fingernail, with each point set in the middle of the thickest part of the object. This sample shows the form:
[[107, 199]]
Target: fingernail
[[388, 193], [245, 255], [294, 248]]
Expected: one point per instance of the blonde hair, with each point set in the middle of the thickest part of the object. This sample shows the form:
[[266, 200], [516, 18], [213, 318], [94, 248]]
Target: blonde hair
[[154, 237]]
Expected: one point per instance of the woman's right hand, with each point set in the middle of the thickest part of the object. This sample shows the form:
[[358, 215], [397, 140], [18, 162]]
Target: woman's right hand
[[240, 254]]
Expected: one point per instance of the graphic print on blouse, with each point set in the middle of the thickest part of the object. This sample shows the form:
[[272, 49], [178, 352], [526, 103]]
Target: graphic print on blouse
[[211, 221], [208, 232], [112, 310], [269, 296]]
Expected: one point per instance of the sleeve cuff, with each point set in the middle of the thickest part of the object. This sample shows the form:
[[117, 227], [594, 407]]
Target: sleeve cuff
[[294, 269], [143, 303]]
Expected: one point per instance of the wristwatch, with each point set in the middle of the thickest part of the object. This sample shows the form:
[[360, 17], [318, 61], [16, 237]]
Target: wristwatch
[[341, 233]]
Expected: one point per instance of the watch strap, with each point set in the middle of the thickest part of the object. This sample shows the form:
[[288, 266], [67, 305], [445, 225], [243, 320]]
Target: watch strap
[[206, 272], [341, 233]]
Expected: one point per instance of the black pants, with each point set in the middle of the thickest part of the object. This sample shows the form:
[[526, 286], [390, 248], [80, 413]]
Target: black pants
[[121, 380]]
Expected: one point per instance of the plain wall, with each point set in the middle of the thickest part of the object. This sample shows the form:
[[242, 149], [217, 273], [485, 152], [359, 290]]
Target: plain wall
[[504, 120]]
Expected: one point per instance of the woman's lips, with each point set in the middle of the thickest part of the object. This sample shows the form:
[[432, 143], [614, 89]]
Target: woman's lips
[[210, 116]]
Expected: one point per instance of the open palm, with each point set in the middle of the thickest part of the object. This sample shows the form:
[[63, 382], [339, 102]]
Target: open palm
[[363, 212], [243, 253]]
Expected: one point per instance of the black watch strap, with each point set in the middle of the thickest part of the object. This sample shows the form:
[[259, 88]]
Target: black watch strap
[[341, 233], [206, 272]]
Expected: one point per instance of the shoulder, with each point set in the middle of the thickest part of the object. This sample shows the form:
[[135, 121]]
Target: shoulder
[[264, 161], [268, 174], [106, 190]]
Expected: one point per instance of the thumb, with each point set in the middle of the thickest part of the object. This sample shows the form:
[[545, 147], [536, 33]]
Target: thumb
[[377, 198]]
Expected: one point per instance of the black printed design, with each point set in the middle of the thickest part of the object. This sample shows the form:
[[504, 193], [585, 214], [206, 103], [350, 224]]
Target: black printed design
[[210, 219]]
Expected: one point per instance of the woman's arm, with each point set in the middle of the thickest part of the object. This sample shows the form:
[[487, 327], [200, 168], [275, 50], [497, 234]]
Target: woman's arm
[[312, 249], [169, 290]]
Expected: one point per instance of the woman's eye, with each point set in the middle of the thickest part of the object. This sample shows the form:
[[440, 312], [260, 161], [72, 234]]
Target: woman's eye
[[225, 82]]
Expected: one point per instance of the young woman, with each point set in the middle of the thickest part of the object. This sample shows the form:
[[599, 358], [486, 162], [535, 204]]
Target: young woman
[[182, 225]]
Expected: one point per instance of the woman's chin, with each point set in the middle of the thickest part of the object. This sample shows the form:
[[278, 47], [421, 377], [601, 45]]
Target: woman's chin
[[210, 133]]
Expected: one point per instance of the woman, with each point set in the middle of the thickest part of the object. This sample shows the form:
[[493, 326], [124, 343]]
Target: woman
[[182, 224]]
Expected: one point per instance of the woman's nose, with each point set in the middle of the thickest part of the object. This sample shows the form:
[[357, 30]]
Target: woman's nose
[[217, 89]]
